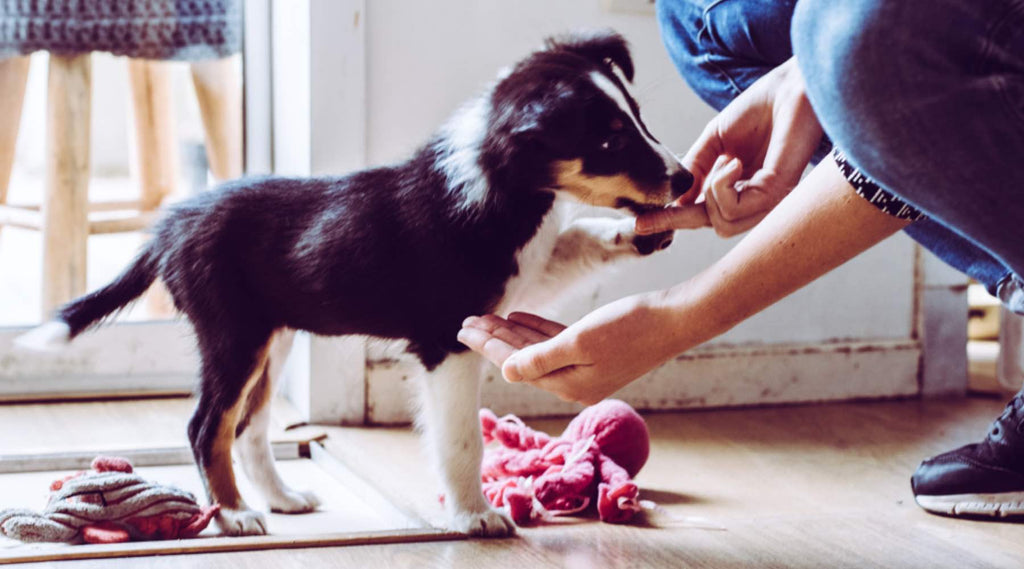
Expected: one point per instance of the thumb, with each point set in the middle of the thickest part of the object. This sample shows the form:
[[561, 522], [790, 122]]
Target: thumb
[[538, 360]]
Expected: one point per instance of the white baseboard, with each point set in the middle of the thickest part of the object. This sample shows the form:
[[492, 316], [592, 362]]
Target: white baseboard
[[717, 376], [130, 358]]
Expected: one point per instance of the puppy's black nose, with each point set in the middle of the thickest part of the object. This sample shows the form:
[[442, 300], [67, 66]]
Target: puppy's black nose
[[681, 182]]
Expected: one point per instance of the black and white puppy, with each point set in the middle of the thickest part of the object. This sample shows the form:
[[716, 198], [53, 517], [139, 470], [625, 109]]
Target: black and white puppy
[[471, 224]]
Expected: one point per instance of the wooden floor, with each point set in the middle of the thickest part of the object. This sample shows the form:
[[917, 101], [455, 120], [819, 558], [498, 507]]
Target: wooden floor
[[814, 486]]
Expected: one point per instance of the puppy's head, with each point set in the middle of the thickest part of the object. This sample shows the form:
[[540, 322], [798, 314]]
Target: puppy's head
[[566, 115]]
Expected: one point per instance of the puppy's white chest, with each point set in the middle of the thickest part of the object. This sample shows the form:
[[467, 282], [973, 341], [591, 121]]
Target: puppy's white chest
[[532, 259]]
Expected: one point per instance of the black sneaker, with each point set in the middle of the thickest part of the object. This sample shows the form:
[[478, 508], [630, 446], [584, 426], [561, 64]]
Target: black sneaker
[[980, 479]]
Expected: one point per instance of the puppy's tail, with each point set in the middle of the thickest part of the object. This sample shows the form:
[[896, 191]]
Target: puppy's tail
[[91, 309]]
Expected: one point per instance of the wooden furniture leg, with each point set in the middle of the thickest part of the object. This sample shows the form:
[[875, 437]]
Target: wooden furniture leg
[[155, 154], [218, 86], [13, 77], [65, 222]]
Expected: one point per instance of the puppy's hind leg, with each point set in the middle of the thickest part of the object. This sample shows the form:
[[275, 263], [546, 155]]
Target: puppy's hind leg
[[233, 363], [450, 417], [253, 444]]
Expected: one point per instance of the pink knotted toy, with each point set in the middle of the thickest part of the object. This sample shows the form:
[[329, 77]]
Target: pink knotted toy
[[532, 474]]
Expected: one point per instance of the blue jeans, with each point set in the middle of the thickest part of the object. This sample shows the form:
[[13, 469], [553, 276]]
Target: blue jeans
[[906, 87]]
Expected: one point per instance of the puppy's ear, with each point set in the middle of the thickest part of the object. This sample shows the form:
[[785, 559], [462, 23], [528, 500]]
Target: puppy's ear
[[541, 123], [554, 121], [604, 47]]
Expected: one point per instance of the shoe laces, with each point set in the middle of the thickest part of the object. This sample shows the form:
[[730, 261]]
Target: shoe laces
[[1013, 413]]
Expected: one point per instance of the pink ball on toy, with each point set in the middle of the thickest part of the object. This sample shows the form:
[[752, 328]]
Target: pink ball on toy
[[618, 429], [532, 474]]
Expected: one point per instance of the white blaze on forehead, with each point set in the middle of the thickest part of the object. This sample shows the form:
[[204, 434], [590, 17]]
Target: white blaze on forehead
[[618, 95], [461, 140]]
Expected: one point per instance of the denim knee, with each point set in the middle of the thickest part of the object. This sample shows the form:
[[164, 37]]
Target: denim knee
[[720, 47], [682, 25], [924, 97], [845, 51]]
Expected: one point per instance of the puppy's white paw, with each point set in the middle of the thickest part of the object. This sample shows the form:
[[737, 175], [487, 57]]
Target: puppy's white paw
[[241, 522], [647, 244], [489, 523], [626, 239], [292, 502]]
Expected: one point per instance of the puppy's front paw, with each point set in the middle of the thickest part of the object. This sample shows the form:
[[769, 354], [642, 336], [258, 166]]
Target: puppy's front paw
[[647, 244], [292, 502], [241, 522], [489, 523]]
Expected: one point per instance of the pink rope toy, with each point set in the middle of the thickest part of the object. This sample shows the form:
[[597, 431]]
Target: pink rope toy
[[533, 475]]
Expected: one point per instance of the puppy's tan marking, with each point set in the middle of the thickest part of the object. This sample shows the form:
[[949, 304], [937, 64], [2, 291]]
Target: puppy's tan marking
[[605, 191], [220, 473], [258, 398]]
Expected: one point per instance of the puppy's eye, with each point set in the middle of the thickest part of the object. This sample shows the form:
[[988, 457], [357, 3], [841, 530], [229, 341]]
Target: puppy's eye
[[614, 143]]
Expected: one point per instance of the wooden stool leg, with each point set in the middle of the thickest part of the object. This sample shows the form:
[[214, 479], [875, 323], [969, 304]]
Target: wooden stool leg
[[66, 198], [13, 77], [218, 86], [155, 152]]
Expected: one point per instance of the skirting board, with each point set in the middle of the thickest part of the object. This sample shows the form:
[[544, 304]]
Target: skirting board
[[139, 358], [716, 376]]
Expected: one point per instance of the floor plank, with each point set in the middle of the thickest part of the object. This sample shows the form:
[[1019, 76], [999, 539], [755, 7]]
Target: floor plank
[[114, 424], [809, 486]]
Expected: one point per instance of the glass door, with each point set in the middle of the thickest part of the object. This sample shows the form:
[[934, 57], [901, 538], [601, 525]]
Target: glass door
[[94, 146]]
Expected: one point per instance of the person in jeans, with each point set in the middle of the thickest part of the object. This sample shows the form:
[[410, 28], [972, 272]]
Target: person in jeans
[[913, 113]]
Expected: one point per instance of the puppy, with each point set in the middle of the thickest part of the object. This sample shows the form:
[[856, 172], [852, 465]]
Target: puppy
[[469, 225]]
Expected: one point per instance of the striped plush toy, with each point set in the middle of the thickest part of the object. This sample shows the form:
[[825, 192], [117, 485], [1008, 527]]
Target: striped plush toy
[[110, 504]]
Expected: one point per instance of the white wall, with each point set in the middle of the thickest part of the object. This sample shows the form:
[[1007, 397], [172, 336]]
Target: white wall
[[424, 58]]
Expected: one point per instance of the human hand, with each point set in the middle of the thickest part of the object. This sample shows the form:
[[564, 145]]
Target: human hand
[[585, 362], [747, 158]]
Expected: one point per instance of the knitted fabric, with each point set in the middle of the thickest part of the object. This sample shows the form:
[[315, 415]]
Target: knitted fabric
[[109, 504], [146, 29]]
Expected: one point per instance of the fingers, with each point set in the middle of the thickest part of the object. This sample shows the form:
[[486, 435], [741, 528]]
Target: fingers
[[528, 348], [534, 322], [701, 156], [514, 334], [728, 228], [541, 359], [496, 350], [673, 217], [735, 205], [722, 183], [738, 199], [525, 346]]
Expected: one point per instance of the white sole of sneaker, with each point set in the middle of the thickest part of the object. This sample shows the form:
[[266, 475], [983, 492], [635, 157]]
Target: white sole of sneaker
[[996, 505]]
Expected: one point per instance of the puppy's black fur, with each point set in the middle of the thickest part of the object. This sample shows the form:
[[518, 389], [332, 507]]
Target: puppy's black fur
[[395, 252]]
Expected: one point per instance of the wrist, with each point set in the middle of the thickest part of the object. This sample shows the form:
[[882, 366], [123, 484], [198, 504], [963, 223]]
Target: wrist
[[697, 310], [672, 311]]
